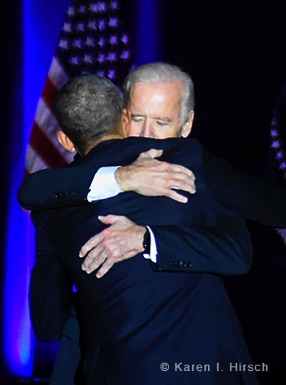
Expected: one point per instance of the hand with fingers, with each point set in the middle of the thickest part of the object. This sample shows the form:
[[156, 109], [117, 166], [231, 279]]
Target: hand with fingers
[[123, 239], [150, 177]]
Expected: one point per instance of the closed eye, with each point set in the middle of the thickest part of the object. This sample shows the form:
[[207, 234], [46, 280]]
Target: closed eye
[[162, 123], [137, 118]]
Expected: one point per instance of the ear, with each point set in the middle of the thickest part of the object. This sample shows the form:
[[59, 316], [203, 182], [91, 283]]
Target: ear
[[125, 121], [65, 141], [187, 127]]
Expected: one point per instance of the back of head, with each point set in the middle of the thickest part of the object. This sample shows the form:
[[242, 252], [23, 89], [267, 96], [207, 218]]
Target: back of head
[[160, 72], [87, 108]]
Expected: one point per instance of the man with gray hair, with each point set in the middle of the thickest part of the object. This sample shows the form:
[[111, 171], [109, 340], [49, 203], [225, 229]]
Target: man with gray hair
[[159, 103]]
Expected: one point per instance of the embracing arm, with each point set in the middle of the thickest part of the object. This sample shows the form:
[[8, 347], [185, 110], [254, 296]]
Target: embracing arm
[[68, 186], [225, 249]]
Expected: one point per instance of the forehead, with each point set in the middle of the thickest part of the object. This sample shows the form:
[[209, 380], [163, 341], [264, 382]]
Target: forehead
[[156, 96]]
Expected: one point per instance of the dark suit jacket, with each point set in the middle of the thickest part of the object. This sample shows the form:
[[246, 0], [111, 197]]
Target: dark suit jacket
[[50, 295], [139, 317], [49, 312]]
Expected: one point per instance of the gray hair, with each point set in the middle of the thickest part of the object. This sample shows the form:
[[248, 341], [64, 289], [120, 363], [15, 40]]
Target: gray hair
[[160, 72], [88, 107]]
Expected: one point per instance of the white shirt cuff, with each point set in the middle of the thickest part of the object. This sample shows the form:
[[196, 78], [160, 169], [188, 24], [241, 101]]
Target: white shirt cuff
[[104, 184], [153, 247]]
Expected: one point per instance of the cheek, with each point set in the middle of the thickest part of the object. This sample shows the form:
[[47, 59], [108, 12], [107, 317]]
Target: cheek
[[160, 134]]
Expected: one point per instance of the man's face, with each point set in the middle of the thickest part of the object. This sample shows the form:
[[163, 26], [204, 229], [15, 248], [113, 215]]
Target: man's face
[[154, 111]]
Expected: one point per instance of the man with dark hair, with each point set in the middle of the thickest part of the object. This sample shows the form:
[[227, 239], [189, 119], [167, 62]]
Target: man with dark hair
[[135, 319]]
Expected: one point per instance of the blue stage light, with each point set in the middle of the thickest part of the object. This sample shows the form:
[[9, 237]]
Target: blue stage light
[[42, 21]]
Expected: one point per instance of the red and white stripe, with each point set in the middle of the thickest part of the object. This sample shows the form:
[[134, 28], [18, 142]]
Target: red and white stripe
[[43, 150]]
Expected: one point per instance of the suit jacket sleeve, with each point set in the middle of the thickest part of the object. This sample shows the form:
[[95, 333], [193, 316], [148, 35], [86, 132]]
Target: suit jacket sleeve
[[54, 188], [225, 249]]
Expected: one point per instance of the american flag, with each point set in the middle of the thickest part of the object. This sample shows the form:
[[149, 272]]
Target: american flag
[[92, 40]]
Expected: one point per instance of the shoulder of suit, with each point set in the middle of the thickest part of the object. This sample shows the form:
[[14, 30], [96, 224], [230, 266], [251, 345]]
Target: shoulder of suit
[[191, 144]]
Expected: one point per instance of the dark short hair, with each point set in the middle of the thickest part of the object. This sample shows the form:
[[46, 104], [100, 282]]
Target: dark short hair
[[87, 108]]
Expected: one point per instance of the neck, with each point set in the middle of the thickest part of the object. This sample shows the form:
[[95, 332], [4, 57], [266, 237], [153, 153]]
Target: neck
[[91, 145]]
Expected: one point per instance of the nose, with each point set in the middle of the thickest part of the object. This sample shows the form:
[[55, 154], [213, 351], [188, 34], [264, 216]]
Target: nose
[[146, 130]]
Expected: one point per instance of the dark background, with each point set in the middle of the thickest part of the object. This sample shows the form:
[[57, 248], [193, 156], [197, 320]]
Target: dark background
[[235, 52]]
